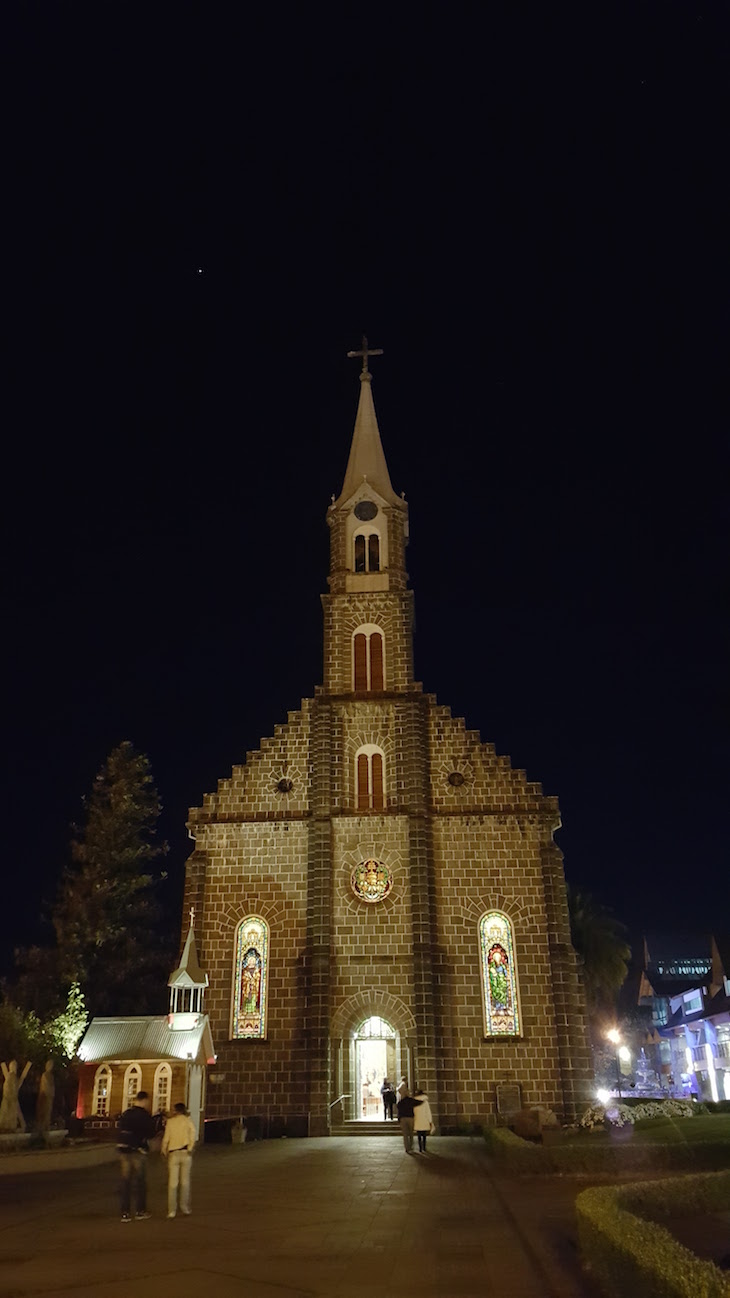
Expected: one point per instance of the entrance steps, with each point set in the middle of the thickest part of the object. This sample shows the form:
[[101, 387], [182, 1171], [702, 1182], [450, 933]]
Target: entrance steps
[[363, 1127]]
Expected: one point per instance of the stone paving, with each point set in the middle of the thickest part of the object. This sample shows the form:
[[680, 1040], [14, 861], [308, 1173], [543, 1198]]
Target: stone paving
[[337, 1217]]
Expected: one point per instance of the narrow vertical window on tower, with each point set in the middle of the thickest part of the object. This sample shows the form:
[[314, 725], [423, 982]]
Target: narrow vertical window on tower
[[499, 976], [376, 661], [250, 978], [367, 551], [368, 670], [360, 653], [369, 779]]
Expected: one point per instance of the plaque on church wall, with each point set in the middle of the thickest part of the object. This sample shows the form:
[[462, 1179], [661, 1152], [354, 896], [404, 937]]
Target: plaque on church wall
[[371, 881], [509, 1098]]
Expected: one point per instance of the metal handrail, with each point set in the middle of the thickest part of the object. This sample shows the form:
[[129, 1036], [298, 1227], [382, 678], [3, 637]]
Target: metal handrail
[[339, 1098]]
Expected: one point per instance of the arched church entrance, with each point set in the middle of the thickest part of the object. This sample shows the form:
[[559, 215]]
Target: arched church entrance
[[375, 1059], [372, 1037]]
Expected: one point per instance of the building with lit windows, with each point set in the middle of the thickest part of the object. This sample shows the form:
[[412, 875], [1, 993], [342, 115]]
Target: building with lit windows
[[165, 1055], [377, 891], [686, 981]]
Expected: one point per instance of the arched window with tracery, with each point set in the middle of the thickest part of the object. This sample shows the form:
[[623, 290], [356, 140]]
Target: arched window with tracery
[[368, 659], [250, 978], [367, 550], [369, 778], [162, 1089], [132, 1084], [101, 1101], [499, 976]]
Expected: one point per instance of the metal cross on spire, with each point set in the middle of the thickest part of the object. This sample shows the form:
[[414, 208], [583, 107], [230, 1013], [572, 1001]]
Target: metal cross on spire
[[192, 916], [365, 351]]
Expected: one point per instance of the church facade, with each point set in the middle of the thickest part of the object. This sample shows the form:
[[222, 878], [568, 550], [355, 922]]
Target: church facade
[[377, 892]]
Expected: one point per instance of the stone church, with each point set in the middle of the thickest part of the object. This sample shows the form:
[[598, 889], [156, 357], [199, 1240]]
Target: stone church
[[377, 892]]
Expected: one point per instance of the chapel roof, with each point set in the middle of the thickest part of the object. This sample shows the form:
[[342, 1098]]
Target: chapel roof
[[148, 1037]]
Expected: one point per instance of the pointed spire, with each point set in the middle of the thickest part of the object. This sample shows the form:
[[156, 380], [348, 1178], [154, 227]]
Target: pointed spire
[[367, 458], [189, 973]]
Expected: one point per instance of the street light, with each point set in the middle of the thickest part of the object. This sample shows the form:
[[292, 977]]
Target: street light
[[622, 1052]]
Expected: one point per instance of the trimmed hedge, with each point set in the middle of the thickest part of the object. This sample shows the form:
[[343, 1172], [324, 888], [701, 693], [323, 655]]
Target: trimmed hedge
[[513, 1153], [631, 1255], [585, 1155]]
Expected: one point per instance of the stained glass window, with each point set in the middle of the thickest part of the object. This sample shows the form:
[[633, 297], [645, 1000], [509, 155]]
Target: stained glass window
[[251, 978], [371, 881], [499, 976]]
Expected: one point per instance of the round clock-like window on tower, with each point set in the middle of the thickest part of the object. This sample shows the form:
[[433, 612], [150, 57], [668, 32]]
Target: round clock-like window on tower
[[371, 881], [365, 510]]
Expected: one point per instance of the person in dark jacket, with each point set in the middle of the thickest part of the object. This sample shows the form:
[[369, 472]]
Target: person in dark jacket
[[136, 1128], [407, 1105], [389, 1098]]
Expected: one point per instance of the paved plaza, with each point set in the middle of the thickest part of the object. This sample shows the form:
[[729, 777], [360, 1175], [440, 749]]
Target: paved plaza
[[338, 1217]]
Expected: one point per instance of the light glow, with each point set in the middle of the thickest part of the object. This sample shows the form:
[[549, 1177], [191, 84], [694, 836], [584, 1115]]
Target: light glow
[[711, 1070]]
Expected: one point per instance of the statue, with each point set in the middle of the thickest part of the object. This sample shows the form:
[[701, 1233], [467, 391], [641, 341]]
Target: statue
[[44, 1103], [11, 1116]]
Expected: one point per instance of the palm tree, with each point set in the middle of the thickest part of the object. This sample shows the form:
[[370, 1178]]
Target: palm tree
[[600, 941]]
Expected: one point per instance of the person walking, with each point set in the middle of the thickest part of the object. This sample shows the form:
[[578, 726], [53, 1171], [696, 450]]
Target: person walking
[[178, 1143], [407, 1106], [422, 1120], [136, 1128], [389, 1098]]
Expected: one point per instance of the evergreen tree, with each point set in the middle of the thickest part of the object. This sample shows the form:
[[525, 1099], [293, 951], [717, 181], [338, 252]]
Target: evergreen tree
[[600, 941], [107, 907]]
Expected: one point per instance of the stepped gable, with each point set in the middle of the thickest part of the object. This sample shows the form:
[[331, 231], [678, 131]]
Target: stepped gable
[[469, 774], [272, 782]]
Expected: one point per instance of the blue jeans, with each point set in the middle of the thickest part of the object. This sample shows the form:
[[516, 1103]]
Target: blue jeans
[[133, 1185]]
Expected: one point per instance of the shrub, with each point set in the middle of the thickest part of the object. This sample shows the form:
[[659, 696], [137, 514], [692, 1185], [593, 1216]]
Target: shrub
[[516, 1155], [633, 1256], [620, 1114], [513, 1153]]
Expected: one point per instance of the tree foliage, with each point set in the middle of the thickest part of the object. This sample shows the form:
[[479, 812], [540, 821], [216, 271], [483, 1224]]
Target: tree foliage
[[23, 1035], [600, 940], [107, 908]]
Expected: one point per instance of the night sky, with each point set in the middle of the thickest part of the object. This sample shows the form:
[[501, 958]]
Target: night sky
[[527, 208]]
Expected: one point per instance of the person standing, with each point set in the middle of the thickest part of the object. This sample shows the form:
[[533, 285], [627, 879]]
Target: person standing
[[403, 1088], [178, 1143], [423, 1120], [407, 1106], [388, 1095], [136, 1128]]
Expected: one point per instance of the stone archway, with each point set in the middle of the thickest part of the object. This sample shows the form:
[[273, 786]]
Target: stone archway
[[387, 1024]]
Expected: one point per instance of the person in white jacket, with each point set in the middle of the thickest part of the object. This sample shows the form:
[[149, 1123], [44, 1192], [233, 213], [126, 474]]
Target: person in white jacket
[[423, 1120], [178, 1143]]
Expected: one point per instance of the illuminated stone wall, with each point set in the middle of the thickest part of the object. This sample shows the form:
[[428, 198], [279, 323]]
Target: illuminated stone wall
[[460, 833], [454, 849]]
